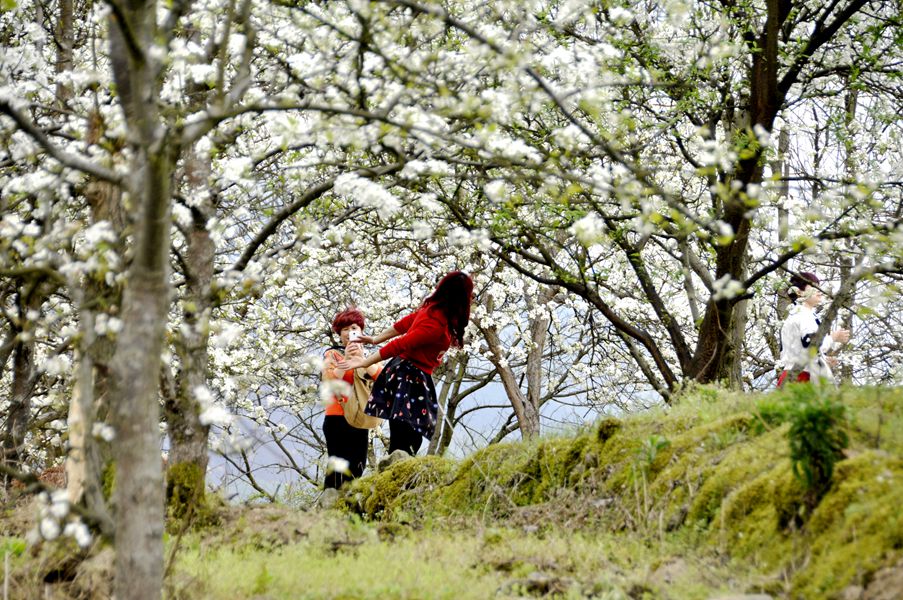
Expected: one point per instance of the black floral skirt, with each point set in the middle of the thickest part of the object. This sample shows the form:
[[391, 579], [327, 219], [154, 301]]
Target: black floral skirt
[[403, 392]]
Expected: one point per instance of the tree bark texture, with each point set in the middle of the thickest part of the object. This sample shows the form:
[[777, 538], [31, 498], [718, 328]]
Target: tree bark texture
[[138, 494], [188, 436], [18, 417]]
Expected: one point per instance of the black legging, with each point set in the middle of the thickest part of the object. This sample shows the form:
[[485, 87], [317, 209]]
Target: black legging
[[345, 441], [403, 437]]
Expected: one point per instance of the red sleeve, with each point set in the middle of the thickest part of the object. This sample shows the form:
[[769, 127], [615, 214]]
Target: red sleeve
[[403, 324], [427, 330]]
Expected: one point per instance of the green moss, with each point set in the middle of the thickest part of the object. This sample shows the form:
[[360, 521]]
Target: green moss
[[398, 488], [108, 480], [877, 418], [606, 429], [186, 497], [485, 481], [695, 500], [713, 469], [857, 528]]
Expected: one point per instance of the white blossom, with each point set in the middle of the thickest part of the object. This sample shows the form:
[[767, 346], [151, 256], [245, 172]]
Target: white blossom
[[336, 464], [726, 288], [589, 230], [103, 431], [497, 191], [49, 528], [215, 415], [364, 192], [332, 388], [79, 532]]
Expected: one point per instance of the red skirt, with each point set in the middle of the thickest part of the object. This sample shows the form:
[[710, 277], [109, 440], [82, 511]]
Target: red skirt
[[803, 376]]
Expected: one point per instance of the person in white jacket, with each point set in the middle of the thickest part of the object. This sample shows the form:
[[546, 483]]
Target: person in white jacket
[[798, 330]]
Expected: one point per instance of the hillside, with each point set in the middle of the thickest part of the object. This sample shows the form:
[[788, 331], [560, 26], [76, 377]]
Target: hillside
[[696, 501]]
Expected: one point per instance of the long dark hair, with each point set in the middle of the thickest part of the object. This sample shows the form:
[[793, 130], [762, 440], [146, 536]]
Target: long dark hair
[[452, 296]]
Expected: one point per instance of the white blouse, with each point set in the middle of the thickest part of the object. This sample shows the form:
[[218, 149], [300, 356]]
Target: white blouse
[[796, 333]]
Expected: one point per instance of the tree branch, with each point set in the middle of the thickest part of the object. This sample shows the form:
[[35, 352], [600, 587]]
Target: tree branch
[[67, 159]]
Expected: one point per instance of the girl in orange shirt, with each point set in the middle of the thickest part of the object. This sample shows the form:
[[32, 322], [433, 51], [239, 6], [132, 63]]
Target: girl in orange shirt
[[343, 440]]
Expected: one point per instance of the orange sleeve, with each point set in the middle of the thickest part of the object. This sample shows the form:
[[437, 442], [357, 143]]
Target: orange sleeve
[[329, 360]]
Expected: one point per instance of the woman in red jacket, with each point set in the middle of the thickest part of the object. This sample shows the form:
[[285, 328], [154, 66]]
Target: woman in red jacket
[[404, 393]]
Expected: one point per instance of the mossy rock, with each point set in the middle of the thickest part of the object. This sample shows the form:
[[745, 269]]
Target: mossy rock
[[857, 528], [607, 428], [400, 487], [486, 480], [730, 469]]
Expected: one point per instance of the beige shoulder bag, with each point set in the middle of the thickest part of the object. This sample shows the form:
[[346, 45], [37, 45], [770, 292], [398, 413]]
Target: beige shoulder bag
[[357, 401]]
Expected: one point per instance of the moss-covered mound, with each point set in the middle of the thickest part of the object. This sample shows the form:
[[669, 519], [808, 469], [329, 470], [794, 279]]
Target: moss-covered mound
[[714, 470]]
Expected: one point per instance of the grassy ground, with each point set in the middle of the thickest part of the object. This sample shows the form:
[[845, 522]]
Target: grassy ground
[[342, 557], [694, 501]]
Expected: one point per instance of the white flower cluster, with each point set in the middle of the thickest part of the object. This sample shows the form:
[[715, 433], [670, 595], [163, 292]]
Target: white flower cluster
[[59, 364], [212, 412], [310, 364], [570, 11], [422, 168], [589, 230], [620, 15], [726, 288], [332, 388], [225, 334], [104, 432], [366, 193], [336, 464], [105, 325], [497, 191], [512, 149], [717, 154], [462, 238], [421, 230], [55, 519]]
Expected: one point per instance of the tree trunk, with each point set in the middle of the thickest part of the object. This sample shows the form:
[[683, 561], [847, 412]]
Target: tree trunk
[[188, 436], [846, 263], [89, 455], [714, 358], [138, 494], [539, 333], [18, 417], [455, 370], [136, 366], [83, 462], [65, 45]]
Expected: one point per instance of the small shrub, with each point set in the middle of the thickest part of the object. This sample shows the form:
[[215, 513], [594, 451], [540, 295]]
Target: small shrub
[[12, 546], [817, 439], [772, 411], [649, 451]]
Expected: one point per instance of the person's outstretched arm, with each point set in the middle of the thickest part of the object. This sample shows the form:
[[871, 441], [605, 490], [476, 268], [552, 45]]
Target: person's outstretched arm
[[388, 334], [357, 362]]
